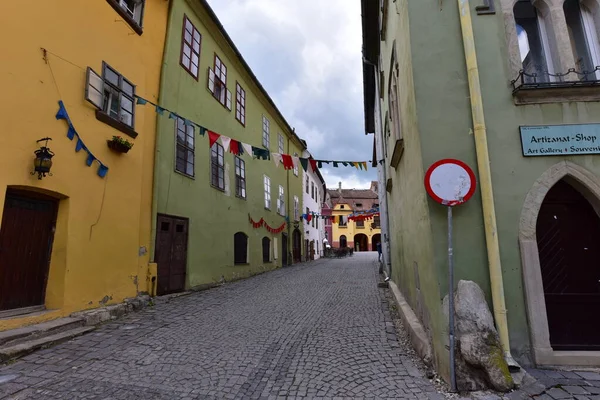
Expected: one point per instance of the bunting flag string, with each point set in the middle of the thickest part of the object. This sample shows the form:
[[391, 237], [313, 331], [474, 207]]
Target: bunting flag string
[[239, 148], [79, 145], [262, 222]]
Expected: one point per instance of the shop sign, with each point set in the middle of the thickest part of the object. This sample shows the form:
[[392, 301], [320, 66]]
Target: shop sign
[[560, 140]]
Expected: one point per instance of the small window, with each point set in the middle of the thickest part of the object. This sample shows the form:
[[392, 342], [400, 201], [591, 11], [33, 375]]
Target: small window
[[266, 132], [132, 11], [240, 178], [358, 205], [190, 48], [312, 190], [217, 166], [267, 182], [280, 143], [375, 205], [296, 165], [306, 184], [184, 161], [281, 202], [266, 249], [217, 83], [165, 226], [376, 221], [179, 228], [240, 104], [360, 224], [312, 221], [342, 206], [343, 221], [112, 94], [296, 208], [240, 248], [317, 223]]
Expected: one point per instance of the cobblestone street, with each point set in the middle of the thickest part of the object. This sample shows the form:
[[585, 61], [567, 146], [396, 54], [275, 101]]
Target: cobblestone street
[[319, 330]]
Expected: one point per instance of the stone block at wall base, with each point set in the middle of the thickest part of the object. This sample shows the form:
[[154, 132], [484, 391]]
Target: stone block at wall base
[[416, 331], [97, 316]]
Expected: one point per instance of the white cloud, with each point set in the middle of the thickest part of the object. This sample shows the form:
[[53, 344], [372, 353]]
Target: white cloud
[[307, 54]]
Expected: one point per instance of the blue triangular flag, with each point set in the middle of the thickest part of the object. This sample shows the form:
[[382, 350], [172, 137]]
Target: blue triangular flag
[[90, 159], [71, 132], [201, 130], [141, 101], [172, 115], [79, 145], [102, 170], [160, 110], [62, 112], [188, 122]]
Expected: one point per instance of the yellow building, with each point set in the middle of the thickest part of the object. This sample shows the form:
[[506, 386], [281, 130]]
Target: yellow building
[[77, 238], [358, 235]]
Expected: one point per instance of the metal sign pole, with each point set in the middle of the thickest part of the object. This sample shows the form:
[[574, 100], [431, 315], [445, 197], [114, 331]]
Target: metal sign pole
[[451, 301]]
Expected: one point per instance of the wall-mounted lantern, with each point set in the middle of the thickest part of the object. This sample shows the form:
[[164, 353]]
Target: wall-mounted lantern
[[43, 159]]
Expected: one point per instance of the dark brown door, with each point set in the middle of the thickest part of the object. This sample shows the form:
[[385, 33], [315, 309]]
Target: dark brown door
[[297, 245], [171, 253], [568, 236], [284, 249], [26, 238]]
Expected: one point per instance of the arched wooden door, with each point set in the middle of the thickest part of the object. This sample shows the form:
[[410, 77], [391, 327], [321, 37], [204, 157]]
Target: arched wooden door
[[297, 246], [568, 237]]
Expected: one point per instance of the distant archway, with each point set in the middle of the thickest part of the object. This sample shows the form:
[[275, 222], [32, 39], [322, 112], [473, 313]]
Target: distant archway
[[375, 240], [343, 242], [361, 242]]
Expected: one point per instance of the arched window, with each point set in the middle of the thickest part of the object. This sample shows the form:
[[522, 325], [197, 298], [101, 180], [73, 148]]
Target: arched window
[[343, 241], [266, 249], [533, 42], [584, 38], [240, 248]]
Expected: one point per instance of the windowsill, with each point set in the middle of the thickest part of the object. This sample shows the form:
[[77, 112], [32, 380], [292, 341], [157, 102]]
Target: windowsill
[[241, 123], [344, 227], [134, 25], [243, 264], [267, 209], [556, 92], [118, 125], [217, 188], [184, 174], [240, 197]]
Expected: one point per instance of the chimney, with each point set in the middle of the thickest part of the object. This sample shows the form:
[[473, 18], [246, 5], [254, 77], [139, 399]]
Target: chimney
[[340, 187]]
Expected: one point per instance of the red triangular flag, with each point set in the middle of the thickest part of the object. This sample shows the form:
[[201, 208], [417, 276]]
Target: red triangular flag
[[212, 137], [287, 161], [313, 164], [234, 147]]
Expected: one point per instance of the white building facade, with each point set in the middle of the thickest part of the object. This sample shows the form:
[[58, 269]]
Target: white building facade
[[313, 196]]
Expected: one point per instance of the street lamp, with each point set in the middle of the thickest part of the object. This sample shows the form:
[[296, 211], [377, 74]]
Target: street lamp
[[43, 159]]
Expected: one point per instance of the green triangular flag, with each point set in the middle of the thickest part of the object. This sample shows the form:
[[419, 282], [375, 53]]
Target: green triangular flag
[[360, 165], [304, 162], [201, 130], [335, 164], [320, 164], [141, 101], [345, 164]]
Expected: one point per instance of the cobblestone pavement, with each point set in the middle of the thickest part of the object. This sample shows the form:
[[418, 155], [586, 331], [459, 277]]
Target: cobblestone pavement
[[559, 385], [318, 330]]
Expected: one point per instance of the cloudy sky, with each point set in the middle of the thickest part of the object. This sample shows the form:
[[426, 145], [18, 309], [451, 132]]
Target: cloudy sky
[[307, 55]]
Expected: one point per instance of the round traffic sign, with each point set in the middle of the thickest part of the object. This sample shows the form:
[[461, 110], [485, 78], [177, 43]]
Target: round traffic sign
[[450, 182]]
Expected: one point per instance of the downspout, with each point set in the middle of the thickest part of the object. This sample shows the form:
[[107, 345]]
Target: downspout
[[287, 247], [485, 178]]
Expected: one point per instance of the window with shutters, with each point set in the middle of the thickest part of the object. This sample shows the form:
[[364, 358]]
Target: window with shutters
[[113, 96], [217, 83], [217, 166], [190, 48], [240, 104], [240, 178], [266, 132], [132, 11], [267, 184], [184, 160], [281, 202]]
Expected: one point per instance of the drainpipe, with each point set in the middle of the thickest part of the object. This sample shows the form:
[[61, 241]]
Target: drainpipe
[[485, 178]]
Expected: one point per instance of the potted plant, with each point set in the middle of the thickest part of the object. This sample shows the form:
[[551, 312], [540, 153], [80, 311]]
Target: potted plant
[[119, 144]]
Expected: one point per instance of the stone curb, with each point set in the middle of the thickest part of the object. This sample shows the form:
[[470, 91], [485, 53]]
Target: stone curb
[[97, 316], [418, 336]]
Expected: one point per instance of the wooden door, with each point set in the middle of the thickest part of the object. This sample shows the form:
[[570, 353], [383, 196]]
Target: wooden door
[[284, 249], [26, 237], [568, 237], [297, 244], [171, 253]]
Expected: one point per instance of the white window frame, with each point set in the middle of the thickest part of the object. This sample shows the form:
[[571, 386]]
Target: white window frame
[[281, 201], [296, 165], [266, 136], [591, 35], [192, 45], [280, 143], [545, 44], [137, 14], [267, 189], [296, 208]]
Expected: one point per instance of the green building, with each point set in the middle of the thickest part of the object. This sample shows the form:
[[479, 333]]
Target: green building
[[205, 197], [529, 78]]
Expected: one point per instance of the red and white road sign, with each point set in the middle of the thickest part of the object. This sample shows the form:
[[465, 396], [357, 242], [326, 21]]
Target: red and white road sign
[[450, 182]]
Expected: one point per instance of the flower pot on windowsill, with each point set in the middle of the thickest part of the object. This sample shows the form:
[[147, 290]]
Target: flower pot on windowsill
[[119, 145]]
